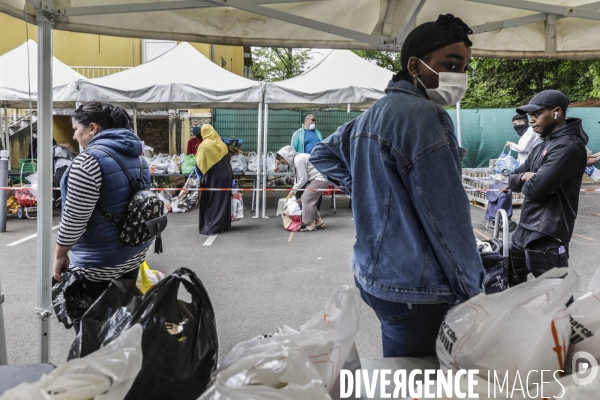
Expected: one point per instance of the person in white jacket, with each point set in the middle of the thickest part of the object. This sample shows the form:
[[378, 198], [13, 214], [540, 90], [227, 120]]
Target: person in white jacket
[[529, 139], [307, 178]]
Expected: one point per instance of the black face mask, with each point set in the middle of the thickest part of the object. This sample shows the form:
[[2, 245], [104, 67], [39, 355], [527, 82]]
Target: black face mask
[[521, 129]]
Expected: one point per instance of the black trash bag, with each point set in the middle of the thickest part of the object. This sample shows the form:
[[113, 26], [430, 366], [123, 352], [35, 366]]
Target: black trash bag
[[496, 268], [70, 299], [179, 343]]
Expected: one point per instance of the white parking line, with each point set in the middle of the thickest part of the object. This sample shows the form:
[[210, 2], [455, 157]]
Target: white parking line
[[28, 237], [210, 240]]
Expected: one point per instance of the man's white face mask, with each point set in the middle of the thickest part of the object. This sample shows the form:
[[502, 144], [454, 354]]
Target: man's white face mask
[[451, 89], [311, 127]]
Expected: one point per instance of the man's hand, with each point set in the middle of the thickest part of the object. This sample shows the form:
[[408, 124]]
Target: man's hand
[[527, 176], [508, 144]]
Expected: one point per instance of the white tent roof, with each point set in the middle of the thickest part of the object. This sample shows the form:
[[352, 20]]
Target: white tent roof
[[182, 77], [15, 83], [504, 28], [340, 78]]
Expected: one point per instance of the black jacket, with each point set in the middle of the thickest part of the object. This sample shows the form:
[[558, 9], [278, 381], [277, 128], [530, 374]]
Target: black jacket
[[552, 194]]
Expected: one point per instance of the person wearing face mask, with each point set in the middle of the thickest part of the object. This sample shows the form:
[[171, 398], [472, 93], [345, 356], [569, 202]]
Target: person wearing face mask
[[32, 149], [550, 179], [194, 142], [415, 253], [528, 138], [306, 138]]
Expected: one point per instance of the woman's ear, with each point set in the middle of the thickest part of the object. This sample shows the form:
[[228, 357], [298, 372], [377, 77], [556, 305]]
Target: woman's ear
[[413, 66]]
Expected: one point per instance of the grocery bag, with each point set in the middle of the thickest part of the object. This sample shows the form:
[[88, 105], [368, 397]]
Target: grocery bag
[[188, 164], [292, 215], [147, 277], [522, 329], [327, 338], [269, 371], [70, 299], [238, 163], [252, 161], [106, 374], [585, 321], [506, 163], [179, 342]]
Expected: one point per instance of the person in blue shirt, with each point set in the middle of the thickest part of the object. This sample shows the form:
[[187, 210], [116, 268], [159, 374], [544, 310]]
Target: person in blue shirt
[[307, 137]]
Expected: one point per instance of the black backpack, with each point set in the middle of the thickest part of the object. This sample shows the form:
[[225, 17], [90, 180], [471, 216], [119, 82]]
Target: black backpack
[[145, 219]]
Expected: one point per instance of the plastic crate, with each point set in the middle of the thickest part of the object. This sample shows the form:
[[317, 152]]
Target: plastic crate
[[28, 166]]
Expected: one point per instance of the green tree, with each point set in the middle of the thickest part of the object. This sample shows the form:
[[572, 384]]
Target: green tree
[[276, 63], [385, 59]]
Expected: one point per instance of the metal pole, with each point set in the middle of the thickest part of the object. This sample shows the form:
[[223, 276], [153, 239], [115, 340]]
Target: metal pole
[[4, 163], [134, 120], [2, 134], [3, 195], [258, 145], [458, 125], [44, 200], [265, 126], [7, 134]]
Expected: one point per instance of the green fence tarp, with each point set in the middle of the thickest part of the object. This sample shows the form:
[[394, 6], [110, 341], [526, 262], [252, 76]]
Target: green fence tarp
[[484, 131]]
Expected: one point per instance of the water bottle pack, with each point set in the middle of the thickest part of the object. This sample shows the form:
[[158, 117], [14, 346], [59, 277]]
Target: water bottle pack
[[506, 164]]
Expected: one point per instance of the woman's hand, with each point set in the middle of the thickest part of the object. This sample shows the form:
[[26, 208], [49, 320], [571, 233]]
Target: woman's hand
[[292, 193], [61, 260], [592, 160], [508, 144]]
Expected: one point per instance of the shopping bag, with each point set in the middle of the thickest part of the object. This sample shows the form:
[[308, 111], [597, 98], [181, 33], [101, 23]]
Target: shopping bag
[[585, 321], [106, 374], [521, 329], [70, 299], [271, 162], [238, 163], [252, 161], [147, 277], [292, 207], [237, 202], [269, 371], [188, 164], [179, 342], [506, 163], [327, 338]]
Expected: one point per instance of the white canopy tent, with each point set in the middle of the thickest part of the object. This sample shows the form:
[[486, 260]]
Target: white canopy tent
[[340, 78], [181, 78], [506, 28], [18, 78], [503, 28]]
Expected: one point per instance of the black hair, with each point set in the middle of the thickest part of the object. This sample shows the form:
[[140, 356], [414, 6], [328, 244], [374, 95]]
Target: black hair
[[405, 73], [105, 115], [306, 115], [520, 117]]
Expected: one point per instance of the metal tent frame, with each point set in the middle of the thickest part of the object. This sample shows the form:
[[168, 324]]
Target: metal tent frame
[[47, 14]]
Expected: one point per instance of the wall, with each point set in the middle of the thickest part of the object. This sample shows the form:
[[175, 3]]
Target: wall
[[155, 133], [62, 131]]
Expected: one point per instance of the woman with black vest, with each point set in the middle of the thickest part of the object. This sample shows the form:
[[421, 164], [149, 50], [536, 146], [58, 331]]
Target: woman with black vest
[[95, 180]]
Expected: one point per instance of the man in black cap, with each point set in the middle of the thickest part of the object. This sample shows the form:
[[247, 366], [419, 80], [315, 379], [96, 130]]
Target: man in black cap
[[550, 179]]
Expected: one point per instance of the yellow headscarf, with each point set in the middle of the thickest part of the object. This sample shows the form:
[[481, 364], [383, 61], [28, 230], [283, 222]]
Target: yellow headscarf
[[211, 150]]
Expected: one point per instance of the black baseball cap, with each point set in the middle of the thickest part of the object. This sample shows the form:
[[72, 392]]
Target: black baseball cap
[[545, 99]]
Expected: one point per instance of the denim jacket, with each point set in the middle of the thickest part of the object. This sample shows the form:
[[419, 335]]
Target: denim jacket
[[414, 238]]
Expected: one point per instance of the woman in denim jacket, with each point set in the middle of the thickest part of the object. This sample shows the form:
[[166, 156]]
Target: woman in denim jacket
[[415, 253]]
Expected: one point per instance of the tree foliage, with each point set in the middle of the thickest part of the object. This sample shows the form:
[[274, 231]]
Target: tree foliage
[[500, 83], [276, 63]]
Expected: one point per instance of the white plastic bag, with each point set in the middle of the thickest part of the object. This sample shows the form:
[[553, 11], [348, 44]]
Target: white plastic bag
[[172, 167], [585, 320], [166, 197], [252, 161], [271, 163], [238, 163], [522, 329], [269, 371], [158, 165], [327, 338], [292, 207], [106, 374]]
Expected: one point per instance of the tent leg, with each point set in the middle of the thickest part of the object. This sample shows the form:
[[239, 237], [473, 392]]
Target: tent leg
[[256, 193], [264, 156], [44, 200], [6, 134], [458, 125], [135, 120]]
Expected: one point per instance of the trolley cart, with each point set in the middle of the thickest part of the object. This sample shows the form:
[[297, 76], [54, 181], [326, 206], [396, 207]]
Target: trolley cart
[[29, 212], [495, 259]]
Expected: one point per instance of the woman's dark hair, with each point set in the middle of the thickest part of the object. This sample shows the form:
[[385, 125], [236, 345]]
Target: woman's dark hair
[[105, 115]]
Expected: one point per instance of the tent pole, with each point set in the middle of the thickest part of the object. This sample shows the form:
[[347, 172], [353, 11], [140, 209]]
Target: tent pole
[[6, 134], [44, 200], [134, 120], [458, 125], [2, 134], [264, 156], [256, 193]]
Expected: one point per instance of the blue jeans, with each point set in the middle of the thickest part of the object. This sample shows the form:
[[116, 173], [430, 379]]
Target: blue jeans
[[407, 330]]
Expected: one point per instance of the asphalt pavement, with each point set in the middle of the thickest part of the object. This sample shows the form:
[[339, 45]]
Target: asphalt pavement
[[258, 275]]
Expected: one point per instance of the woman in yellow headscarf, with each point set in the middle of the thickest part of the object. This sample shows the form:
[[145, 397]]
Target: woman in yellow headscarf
[[213, 163]]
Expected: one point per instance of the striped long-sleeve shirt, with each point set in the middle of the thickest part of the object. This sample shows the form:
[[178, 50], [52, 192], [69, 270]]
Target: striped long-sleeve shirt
[[85, 180]]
